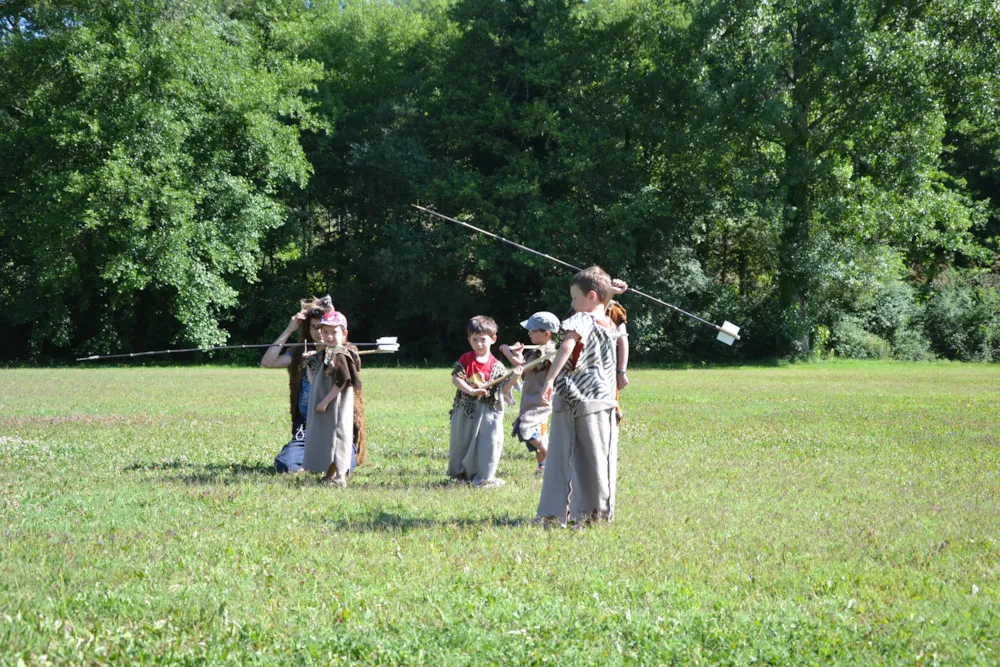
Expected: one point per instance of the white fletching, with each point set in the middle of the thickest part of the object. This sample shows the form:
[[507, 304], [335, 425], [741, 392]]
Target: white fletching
[[387, 340], [730, 333]]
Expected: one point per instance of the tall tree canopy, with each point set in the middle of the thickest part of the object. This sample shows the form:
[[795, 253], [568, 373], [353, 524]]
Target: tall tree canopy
[[143, 146], [823, 173]]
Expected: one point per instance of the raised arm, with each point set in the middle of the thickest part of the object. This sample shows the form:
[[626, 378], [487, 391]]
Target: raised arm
[[514, 353], [272, 357]]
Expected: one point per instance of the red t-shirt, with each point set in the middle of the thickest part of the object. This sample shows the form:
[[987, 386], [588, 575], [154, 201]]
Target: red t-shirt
[[477, 372]]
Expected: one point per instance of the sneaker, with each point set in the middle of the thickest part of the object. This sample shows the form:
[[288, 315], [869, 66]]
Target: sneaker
[[540, 470], [493, 483]]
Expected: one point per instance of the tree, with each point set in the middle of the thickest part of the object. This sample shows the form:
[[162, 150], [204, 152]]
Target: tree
[[143, 145], [826, 114]]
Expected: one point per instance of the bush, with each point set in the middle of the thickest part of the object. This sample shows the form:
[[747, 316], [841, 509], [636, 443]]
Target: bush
[[910, 344], [851, 340], [962, 317]]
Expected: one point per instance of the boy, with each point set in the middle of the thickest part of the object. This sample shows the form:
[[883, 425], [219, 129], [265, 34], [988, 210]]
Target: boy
[[582, 467], [531, 424], [330, 425], [476, 441]]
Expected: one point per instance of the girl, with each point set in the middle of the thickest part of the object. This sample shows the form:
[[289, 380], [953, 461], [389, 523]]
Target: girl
[[329, 443]]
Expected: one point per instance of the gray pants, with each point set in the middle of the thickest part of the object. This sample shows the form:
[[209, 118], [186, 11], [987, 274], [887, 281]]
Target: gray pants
[[581, 469], [476, 443]]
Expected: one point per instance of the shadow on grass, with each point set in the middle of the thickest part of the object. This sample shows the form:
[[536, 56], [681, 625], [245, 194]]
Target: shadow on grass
[[387, 522], [206, 473]]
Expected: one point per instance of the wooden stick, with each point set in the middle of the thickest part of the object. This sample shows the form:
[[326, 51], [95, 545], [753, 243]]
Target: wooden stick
[[506, 376]]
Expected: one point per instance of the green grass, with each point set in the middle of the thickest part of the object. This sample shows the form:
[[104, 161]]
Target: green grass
[[840, 512]]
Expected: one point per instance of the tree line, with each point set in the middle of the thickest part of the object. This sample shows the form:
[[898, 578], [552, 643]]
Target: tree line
[[822, 172]]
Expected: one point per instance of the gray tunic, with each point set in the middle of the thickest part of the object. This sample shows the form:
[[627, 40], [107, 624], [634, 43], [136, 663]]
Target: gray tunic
[[330, 434], [581, 469], [476, 443], [476, 435], [533, 412]]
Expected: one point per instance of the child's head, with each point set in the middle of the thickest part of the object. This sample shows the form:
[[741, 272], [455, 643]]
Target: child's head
[[541, 327], [482, 333], [590, 289], [333, 329]]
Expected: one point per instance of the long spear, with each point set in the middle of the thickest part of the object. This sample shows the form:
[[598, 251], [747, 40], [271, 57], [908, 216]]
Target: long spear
[[382, 346], [728, 332]]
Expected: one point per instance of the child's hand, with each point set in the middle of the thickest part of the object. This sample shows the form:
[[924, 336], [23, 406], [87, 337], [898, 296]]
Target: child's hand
[[622, 381], [619, 286], [518, 371], [321, 407], [516, 355], [547, 393]]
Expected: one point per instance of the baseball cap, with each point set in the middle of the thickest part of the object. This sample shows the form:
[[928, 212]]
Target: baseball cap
[[542, 321], [334, 319]]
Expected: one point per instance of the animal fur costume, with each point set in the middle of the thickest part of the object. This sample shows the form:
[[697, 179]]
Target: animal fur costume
[[618, 316]]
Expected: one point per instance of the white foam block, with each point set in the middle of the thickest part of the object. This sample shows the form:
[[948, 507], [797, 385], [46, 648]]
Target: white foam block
[[730, 333]]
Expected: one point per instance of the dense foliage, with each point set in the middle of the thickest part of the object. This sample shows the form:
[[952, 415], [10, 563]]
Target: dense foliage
[[823, 173]]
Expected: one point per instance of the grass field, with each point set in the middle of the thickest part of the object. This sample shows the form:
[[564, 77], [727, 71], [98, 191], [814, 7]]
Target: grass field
[[839, 512]]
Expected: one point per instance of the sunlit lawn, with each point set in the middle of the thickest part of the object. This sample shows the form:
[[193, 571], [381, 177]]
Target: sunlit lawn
[[836, 512]]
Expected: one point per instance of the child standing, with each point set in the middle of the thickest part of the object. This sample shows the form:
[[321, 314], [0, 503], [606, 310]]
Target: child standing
[[531, 425], [476, 440], [582, 467], [330, 431]]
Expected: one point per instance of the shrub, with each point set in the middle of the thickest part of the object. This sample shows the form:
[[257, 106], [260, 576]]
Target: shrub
[[851, 340], [962, 317]]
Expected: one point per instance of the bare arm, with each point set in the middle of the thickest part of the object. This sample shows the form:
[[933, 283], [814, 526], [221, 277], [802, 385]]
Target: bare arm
[[467, 388], [622, 359], [272, 357], [508, 386], [328, 399], [515, 353], [569, 344]]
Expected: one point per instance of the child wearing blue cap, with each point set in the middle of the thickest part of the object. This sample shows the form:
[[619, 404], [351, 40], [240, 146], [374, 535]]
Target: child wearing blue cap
[[531, 425]]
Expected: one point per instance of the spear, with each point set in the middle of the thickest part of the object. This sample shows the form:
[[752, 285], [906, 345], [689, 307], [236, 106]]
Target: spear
[[385, 345], [728, 332]]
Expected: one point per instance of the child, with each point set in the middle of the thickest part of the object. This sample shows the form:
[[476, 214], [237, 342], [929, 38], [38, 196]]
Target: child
[[582, 467], [330, 434], [476, 441], [307, 322], [532, 420]]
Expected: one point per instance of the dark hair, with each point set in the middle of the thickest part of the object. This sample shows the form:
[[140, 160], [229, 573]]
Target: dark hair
[[595, 279], [481, 324]]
